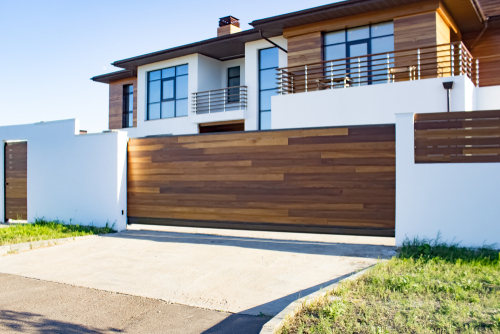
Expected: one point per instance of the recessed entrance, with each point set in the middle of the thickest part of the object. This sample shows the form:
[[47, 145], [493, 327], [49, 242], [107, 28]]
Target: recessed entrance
[[222, 126]]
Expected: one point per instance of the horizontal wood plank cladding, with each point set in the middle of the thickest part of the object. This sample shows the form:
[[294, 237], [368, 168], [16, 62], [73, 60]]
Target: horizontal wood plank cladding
[[490, 7], [457, 137], [415, 31], [327, 179], [116, 102], [16, 180], [487, 50], [362, 19], [305, 49]]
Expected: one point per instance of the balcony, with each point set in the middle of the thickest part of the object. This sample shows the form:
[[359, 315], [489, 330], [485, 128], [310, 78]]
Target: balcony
[[437, 61], [220, 100]]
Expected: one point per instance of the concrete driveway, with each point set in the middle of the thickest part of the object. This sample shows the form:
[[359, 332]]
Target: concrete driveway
[[233, 271]]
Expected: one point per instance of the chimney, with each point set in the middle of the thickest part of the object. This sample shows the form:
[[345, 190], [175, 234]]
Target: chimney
[[228, 25]]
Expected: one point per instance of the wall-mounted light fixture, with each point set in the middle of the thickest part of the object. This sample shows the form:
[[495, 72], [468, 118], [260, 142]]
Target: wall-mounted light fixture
[[448, 85]]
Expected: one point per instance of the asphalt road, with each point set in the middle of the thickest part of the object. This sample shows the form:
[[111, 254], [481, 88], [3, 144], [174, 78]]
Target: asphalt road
[[35, 306]]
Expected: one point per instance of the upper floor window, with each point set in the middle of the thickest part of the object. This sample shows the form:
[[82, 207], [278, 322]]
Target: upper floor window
[[128, 106], [359, 42], [233, 80], [168, 92]]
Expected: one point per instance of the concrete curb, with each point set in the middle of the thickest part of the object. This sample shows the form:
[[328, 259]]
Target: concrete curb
[[273, 325], [26, 246]]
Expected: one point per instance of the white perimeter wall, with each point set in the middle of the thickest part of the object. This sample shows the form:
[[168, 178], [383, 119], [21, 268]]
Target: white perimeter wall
[[458, 201], [74, 178], [374, 104], [488, 98]]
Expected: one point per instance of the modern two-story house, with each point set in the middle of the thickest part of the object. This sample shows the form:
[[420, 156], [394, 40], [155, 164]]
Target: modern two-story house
[[347, 63]]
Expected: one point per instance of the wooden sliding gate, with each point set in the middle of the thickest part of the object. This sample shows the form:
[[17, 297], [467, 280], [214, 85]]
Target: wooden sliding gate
[[331, 180]]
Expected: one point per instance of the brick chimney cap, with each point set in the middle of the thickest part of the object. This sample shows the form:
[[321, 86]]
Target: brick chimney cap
[[226, 20]]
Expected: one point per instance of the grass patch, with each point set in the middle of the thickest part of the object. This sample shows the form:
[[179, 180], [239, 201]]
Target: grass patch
[[45, 230], [425, 289]]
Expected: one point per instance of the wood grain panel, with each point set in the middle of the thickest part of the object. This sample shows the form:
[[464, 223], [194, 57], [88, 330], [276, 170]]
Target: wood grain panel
[[330, 179], [116, 102], [457, 137], [16, 181], [487, 50], [490, 7], [305, 49]]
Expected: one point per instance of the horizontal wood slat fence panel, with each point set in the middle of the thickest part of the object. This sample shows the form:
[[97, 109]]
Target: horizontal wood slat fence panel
[[16, 206], [319, 180], [458, 137]]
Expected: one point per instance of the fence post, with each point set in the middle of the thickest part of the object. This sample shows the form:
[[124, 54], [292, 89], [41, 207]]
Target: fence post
[[452, 57], [306, 76], [477, 72], [418, 63]]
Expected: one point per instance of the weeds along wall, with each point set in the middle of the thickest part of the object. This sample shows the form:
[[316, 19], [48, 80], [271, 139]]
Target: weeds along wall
[[78, 179], [459, 202]]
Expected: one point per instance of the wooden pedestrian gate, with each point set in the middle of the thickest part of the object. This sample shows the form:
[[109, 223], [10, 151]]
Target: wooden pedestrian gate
[[327, 180]]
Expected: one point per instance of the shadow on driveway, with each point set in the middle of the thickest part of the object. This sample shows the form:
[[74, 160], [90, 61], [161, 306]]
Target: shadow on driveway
[[292, 246]]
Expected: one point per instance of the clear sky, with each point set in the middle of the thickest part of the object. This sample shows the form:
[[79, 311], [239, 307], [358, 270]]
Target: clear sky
[[49, 49]]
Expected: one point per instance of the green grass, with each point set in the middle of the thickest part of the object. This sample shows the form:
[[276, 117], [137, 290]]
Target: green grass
[[44, 230], [425, 289]]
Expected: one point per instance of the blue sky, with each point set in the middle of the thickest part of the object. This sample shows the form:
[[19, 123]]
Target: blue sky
[[50, 48]]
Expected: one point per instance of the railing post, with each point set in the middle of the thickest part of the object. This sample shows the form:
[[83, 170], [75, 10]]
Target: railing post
[[306, 77], [460, 59], [452, 58], [225, 100], [388, 69], [281, 82], [418, 64], [209, 102], [292, 84], [477, 72], [240, 96], [359, 71], [331, 75]]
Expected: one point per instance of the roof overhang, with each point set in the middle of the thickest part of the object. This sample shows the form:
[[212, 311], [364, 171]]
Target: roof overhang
[[463, 11], [114, 76], [225, 47]]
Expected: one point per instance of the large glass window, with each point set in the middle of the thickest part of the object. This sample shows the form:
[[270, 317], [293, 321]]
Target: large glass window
[[268, 85], [233, 80], [359, 42], [128, 106], [168, 92]]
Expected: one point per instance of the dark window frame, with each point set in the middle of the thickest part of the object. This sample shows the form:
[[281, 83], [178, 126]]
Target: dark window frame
[[348, 44], [233, 93], [127, 109], [174, 99], [260, 84]]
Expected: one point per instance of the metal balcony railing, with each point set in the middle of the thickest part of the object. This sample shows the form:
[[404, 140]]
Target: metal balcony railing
[[414, 64], [220, 100]]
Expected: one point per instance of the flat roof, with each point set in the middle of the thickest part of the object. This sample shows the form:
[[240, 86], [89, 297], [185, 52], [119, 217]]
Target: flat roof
[[113, 76]]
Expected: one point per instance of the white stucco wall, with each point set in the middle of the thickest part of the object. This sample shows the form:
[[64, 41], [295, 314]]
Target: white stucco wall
[[74, 178], [488, 98], [252, 76], [458, 201], [374, 104]]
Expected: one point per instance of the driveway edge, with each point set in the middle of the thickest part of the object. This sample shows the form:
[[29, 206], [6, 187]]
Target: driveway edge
[[273, 325], [26, 246]]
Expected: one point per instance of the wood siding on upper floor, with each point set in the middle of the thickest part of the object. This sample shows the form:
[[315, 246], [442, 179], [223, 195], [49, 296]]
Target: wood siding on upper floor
[[416, 25], [490, 7], [116, 102], [305, 49], [487, 50]]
